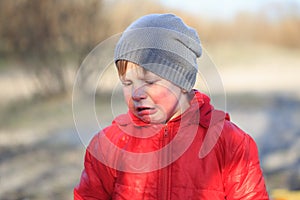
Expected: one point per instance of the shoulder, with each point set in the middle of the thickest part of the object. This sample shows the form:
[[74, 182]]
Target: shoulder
[[113, 131], [116, 134], [106, 131], [237, 142], [104, 144], [234, 135]]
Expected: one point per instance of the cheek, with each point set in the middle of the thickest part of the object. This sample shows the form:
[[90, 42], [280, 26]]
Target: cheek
[[165, 96], [127, 96]]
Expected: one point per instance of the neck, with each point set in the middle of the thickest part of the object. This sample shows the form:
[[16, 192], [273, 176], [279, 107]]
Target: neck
[[183, 103]]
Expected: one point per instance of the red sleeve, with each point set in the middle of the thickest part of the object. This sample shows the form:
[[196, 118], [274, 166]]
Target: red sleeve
[[97, 180], [244, 177], [76, 195]]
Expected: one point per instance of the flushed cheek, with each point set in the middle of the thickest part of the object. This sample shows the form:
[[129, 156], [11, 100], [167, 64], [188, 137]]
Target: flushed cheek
[[127, 95], [160, 115], [128, 101], [166, 106], [165, 110], [165, 98]]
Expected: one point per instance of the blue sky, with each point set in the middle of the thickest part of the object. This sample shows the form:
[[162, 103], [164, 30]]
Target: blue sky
[[225, 9]]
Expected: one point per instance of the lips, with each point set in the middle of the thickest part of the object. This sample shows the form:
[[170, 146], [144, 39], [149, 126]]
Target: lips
[[144, 110]]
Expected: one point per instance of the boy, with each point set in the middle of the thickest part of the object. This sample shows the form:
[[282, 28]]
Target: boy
[[154, 151]]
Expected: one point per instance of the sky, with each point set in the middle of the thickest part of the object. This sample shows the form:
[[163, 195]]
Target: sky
[[225, 9]]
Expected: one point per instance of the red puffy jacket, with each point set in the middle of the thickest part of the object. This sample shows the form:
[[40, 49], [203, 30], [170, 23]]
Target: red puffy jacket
[[198, 155]]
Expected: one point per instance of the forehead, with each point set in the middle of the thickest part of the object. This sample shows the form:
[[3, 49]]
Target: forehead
[[134, 70]]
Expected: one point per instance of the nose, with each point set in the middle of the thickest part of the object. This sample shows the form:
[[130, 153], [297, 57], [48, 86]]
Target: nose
[[139, 94]]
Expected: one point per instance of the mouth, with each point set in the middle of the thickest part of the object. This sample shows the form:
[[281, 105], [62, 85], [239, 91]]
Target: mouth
[[139, 109], [143, 110]]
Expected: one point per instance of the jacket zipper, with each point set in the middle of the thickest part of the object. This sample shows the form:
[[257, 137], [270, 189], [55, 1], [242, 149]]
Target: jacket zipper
[[165, 173]]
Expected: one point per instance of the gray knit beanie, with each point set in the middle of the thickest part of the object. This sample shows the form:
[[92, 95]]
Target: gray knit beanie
[[164, 45]]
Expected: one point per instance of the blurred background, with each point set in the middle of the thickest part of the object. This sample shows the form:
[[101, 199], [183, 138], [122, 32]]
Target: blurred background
[[254, 44]]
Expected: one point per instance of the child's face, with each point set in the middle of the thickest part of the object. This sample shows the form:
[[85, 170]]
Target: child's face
[[150, 97]]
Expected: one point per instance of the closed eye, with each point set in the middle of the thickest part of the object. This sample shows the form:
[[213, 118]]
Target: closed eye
[[126, 83], [150, 82]]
